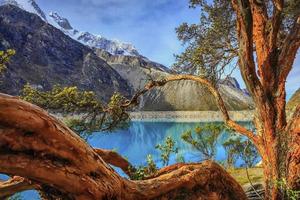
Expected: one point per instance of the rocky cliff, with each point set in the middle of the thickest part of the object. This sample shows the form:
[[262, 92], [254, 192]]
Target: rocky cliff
[[136, 70], [188, 95], [176, 96]]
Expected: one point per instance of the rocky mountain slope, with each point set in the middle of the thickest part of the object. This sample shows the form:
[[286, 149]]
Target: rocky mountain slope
[[294, 101], [45, 56], [136, 70], [188, 95], [115, 47], [177, 96], [28, 5]]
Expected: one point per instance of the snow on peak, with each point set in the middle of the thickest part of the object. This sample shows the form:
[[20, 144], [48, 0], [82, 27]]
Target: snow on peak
[[28, 5], [61, 21], [114, 47]]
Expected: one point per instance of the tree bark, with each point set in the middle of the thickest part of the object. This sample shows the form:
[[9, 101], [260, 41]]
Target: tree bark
[[19, 184], [267, 86], [115, 159], [14, 185], [40, 148]]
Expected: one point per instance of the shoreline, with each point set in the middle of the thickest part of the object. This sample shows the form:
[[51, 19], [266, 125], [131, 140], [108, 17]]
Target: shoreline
[[189, 116]]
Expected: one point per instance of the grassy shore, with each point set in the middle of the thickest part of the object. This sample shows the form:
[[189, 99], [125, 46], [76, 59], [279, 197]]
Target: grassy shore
[[255, 173]]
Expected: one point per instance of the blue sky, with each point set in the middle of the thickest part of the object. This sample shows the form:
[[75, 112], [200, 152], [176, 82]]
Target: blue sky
[[148, 24]]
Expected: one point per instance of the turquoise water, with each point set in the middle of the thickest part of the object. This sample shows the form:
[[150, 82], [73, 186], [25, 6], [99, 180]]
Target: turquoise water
[[140, 139]]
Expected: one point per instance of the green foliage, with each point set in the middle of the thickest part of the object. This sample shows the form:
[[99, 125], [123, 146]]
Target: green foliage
[[289, 194], [167, 149], [211, 45], [117, 117], [232, 152], [180, 158], [204, 139], [151, 165], [142, 172], [237, 147], [62, 99], [139, 173], [90, 114], [4, 58]]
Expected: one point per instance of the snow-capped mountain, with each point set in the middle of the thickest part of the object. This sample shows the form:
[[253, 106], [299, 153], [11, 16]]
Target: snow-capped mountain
[[28, 5], [114, 47], [60, 21]]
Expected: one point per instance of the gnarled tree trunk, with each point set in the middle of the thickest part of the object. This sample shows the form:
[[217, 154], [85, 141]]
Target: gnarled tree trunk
[[40, 148], [265, 80]]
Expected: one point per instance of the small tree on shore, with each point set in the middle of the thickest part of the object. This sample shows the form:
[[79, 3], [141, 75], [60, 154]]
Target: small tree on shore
[[236, 147], [166, 149], [204, 139]]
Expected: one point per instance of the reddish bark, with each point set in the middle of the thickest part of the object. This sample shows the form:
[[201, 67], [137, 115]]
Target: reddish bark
[[15, 185], [274, 62], [113, 158]]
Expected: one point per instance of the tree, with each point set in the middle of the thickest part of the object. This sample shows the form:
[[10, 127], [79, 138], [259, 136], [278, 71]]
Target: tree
[[92, 114], [267, 31], [142, 172], [205, 139], [232, 152], [237, 147], [166, 150]]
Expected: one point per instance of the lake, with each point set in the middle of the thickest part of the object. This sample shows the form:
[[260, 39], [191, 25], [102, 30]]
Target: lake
[[140, 139]]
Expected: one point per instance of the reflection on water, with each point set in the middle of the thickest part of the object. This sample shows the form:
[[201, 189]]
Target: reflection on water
[[139, 140]]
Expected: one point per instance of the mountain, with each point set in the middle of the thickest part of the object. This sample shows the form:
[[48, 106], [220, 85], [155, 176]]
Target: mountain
[[114, 47], [28, 5], [230, 81], [182, 95], [187, 95], [45, 56], [294, 101], [136, 70]]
